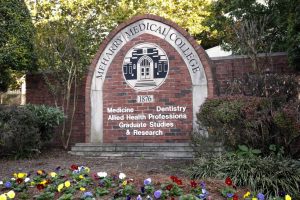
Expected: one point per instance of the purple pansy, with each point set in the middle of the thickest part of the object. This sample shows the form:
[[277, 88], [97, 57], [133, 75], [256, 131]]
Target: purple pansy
[[260, 196], [202, 184], [157, 193], [8, 184], [87, 194], [147, 181], [230, 195]]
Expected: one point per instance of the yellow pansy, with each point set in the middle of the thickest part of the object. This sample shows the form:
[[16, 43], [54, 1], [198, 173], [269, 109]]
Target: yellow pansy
[[39, 172], [82, 189], [53, 174], [124, 183], [254, 198], [81, 176], [3, 197], [67, 184], [87, 169], [246, 195], [43, 182], [60, 187], [11, 194], [15, 175], [22, 175], [288, 197]]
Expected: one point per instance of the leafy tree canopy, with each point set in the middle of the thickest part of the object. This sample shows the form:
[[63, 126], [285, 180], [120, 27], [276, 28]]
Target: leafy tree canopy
[[188, 14], [16, 41], [100, 17], [263, 26]]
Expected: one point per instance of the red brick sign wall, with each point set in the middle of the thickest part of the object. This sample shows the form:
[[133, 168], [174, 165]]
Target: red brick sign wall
[[146, 84], [164, 114]]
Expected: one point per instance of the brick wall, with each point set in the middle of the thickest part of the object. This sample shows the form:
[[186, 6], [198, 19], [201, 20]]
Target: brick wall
[[37, 92], [224, 69], [229, 68]]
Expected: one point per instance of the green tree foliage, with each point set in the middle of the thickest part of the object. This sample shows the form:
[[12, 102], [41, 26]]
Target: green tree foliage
[[294, 36], [188, 14], [16, 41], [100, 17], [65, 46], [251, 27]]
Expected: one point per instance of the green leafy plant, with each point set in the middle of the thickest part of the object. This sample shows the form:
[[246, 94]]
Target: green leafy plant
[[45, 196], [276, 150], [176, 190], [149, 189], [128, 189], [48, 119], [66, 196], [189, 197], [227, 190], [101, 192], [243, 150], [24, 195]]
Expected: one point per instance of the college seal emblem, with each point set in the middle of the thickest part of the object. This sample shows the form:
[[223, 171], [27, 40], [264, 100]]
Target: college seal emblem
[[145, 67]]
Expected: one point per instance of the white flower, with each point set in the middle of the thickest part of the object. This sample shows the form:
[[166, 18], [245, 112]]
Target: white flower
[[26, 179], [102, 174], [81, 168], [1, 182], [13, 179], [122, 176], [148, 198]]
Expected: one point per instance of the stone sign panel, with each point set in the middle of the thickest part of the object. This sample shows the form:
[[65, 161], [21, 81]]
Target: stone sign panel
[[146, 84]]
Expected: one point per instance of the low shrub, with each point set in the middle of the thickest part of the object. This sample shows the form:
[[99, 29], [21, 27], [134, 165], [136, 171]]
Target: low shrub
[[269, 175], [19, 132], [48, 119], [24, 130], [287, 126], [252, 121]]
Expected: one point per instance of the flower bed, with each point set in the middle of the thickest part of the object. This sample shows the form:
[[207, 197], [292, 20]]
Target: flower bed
[[79, 182]]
